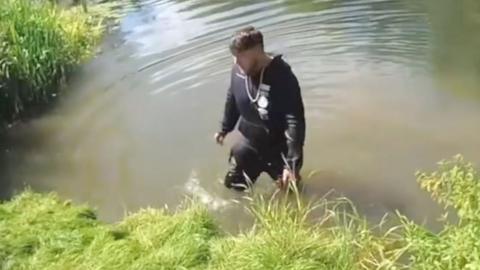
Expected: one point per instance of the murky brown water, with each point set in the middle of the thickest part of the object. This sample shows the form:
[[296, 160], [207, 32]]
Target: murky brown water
[[390, 86]]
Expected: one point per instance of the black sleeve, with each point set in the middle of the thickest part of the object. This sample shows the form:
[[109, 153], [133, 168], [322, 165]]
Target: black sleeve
[[295, 122], [231, 114]]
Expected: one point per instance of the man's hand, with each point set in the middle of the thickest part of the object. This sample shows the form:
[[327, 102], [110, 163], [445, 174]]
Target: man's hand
[[287, 177], [219, 138]]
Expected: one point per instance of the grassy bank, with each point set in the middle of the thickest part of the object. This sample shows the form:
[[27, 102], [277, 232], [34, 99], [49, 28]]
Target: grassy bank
[[45, 232], [53, 234], [40, 44]]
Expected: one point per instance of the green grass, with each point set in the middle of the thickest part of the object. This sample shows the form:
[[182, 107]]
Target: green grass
[[44, 232], [40, 44], [41, 231], [299, 236]]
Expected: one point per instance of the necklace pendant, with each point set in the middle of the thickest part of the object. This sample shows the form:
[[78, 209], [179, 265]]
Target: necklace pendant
[[262, 102]]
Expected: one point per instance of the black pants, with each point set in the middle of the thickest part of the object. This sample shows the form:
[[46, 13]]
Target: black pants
[[247, 162]]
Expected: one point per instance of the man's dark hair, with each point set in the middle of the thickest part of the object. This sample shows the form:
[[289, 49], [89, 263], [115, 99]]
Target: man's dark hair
[[245, 39]]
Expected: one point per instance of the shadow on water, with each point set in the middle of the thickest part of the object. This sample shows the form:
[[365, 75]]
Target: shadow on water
[[456, 38], [5, 190], [16, 143], [373, 201]]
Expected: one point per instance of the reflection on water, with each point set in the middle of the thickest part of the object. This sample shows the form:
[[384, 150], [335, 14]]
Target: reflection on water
[[390, 86]]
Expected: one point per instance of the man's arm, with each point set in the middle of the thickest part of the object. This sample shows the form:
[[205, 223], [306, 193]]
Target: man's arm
[[231, 114], [295, 123]]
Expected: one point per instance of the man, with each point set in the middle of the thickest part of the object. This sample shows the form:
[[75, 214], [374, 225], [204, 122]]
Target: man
[[264, 97]]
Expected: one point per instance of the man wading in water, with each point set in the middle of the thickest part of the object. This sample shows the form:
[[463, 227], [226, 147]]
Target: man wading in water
[[265, 96]]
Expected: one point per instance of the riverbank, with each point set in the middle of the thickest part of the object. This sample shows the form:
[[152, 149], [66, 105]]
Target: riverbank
[[40, 45], [42, 231]]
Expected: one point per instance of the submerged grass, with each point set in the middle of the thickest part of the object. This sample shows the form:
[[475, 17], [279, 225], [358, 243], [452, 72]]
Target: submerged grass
[[44, 232]]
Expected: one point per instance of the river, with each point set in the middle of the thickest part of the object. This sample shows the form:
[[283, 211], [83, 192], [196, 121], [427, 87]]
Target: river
[[390, 87]]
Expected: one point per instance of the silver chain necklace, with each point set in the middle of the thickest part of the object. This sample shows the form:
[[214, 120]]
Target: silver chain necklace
[[248, 83]]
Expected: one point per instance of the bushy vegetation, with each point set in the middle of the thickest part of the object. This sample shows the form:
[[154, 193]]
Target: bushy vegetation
[[40, 44], [456, 186]]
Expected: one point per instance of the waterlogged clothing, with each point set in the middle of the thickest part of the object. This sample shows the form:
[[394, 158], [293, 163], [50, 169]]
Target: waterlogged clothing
[[270, 115]]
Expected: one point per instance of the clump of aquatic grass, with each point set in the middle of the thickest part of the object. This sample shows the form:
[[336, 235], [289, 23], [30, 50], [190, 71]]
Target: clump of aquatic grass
[[287, 236], [456, 186], [39, 44]]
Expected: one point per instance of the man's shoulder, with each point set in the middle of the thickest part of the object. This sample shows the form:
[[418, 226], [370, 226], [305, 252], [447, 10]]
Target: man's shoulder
[[282, 68], [281, 65]]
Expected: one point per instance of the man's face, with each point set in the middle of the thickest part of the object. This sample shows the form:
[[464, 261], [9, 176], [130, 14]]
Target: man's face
[[247, 60]]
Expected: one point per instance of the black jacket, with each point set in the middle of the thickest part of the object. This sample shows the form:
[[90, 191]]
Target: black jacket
[[280, 120]]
